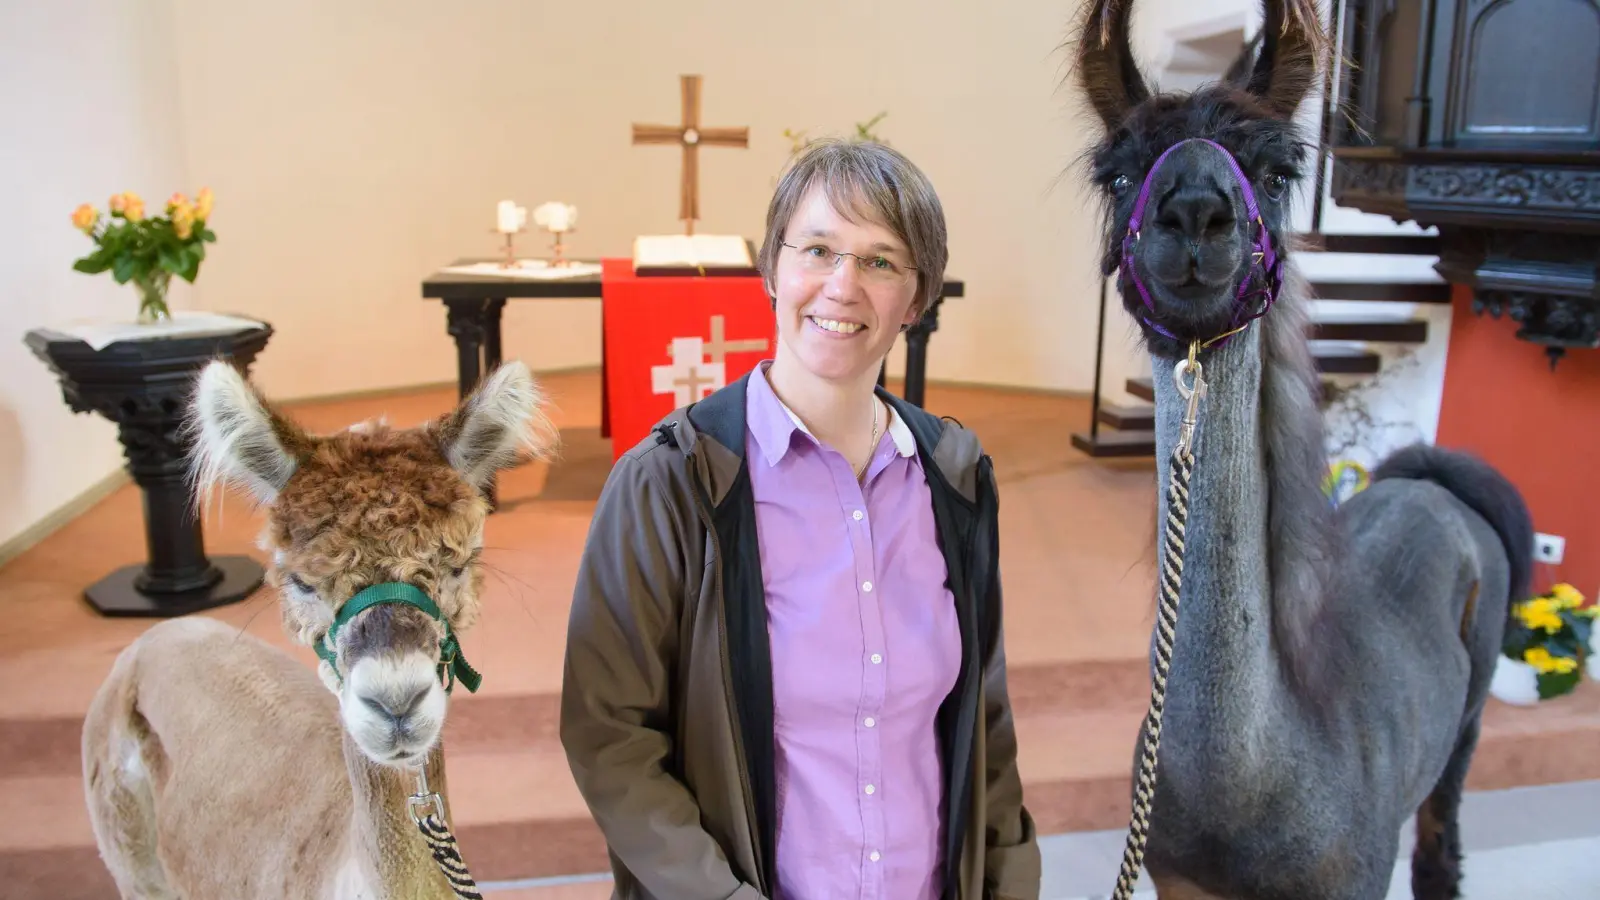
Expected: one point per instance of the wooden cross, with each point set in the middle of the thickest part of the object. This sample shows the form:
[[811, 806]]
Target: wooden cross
[[691, 136]]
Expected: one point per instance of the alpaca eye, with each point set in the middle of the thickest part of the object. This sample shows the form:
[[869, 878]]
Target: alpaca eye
[[1276, 185], [1121, 183], [299, 584], [458, 570]]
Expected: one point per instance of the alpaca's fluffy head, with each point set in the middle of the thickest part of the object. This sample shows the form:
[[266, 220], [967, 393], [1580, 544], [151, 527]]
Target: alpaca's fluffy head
[[365, 506]]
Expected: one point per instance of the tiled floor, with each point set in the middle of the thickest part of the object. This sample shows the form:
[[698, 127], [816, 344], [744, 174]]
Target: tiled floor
[[1518, 843], [1077, 539]]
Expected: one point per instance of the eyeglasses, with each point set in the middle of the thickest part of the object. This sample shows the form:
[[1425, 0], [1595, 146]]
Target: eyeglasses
[[821, 260]]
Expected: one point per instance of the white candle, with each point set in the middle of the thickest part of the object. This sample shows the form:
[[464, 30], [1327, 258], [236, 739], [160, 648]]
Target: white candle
[[509, 221], [556, 216]]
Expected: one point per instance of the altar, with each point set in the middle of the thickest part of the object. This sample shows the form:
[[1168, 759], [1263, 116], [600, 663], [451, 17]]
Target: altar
[[649, 325]]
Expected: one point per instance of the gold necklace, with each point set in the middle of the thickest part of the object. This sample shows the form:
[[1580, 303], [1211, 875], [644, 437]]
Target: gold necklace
[[873, 446]]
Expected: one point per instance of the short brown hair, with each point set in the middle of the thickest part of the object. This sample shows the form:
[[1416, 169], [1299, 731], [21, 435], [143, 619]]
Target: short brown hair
[[864, 178]]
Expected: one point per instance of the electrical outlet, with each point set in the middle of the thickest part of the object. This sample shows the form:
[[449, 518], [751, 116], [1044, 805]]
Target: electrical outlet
[[1548, 548]]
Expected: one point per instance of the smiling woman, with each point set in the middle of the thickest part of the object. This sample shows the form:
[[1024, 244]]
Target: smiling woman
[[780, 681], [867, 204]]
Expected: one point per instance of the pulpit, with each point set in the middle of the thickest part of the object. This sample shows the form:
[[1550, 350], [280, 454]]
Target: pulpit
[[141, 379], [1483, 119]]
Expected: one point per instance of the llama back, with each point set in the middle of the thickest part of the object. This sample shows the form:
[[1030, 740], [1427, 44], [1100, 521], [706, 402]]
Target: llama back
[[1483, 489]]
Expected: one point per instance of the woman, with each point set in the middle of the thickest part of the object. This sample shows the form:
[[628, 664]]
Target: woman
[[784, 671]]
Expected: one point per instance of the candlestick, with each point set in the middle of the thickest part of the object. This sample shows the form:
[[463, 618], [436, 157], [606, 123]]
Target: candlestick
[[558, 219], [510, 220]]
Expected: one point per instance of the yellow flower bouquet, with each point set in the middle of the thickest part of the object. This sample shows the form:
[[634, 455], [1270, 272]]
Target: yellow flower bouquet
[[147, 250], [1553, 635]]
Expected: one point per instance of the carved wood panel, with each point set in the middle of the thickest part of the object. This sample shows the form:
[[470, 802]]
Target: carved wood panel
[[1524, 73]]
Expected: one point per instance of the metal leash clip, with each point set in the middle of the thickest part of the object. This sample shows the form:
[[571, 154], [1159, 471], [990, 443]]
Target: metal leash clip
[[424, 798], [1191, 392]]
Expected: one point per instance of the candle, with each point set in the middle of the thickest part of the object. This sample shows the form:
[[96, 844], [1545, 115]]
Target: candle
[[556, 216], [509, 220]]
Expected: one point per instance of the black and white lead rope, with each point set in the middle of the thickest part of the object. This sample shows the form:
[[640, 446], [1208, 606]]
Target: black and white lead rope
[[1182, 468]]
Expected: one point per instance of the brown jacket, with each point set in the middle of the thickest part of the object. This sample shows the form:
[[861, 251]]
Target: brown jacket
[[666, 709]]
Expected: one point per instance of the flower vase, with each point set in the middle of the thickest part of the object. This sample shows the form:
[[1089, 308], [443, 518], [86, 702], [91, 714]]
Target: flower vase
[[153, 297]]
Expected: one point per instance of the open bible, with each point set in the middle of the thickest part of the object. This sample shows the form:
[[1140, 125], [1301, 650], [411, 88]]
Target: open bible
[[693, 254]]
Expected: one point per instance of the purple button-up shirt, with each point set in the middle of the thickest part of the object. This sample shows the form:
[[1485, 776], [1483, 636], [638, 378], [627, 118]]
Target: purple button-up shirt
[[865, 647]]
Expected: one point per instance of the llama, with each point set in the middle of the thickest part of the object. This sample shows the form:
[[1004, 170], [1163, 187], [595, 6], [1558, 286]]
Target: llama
[[214, 764], [1329, 667]]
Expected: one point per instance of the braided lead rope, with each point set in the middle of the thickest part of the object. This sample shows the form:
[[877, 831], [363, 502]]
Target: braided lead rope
[[441, 841], [448, 856], [1166, 629]]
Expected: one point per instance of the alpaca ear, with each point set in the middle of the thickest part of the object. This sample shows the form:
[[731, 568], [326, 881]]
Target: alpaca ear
[[498, 423], [1293, 47], [238, 437], [1107, 70]]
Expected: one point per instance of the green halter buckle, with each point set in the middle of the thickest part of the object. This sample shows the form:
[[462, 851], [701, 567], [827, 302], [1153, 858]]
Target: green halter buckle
[[453, 665]]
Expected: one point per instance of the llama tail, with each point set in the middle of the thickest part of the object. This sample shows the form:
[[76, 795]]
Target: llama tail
[[118, 748], [1481, 487]]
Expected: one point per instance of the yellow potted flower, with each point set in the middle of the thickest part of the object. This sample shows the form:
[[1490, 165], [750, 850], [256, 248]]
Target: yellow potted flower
[[147, 250], [1548, 641]]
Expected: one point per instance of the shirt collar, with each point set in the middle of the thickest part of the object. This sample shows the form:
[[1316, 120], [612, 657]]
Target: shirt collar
[[773, 423]]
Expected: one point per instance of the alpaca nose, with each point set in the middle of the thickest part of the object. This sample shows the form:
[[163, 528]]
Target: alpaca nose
[[397, 705], [1197, 213]]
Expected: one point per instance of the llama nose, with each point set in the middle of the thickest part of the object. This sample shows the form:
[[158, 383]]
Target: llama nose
[[1197, 213], [397, 706]]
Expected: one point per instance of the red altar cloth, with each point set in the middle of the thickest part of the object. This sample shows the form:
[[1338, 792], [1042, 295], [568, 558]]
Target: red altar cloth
[[668, 341]]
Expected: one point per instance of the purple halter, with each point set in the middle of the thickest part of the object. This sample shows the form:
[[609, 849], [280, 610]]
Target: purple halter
[[1262, 253]]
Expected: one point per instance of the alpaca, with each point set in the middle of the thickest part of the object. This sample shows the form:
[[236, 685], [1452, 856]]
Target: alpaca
[[1330, 666], [214, 764]]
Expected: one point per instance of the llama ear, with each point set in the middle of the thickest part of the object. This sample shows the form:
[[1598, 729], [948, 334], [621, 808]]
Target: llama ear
[[498, 423], [1244, 64], [1107, 70], [238, 437], [1293, 47]]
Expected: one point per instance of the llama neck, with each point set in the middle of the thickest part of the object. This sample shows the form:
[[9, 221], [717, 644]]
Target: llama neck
[[1251, 641], [1218, 686], [386, 841]]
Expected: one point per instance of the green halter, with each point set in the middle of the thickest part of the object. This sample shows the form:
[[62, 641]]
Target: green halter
[[452, 664]]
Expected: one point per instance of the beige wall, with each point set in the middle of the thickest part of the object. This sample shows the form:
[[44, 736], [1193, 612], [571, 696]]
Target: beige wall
[[354, 146], [88, 109]]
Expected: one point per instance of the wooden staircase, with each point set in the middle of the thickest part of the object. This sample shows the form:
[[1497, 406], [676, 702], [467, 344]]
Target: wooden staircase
[[1128, 427]]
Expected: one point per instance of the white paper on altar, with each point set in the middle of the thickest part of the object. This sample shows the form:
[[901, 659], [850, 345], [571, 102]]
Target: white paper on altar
[[533, 269], [184, 323]]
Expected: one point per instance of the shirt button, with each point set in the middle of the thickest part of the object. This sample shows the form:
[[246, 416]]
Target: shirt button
[[876, 659], [871, 789], [874, 857], [871, 721], [866, 586], [856, 515]]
